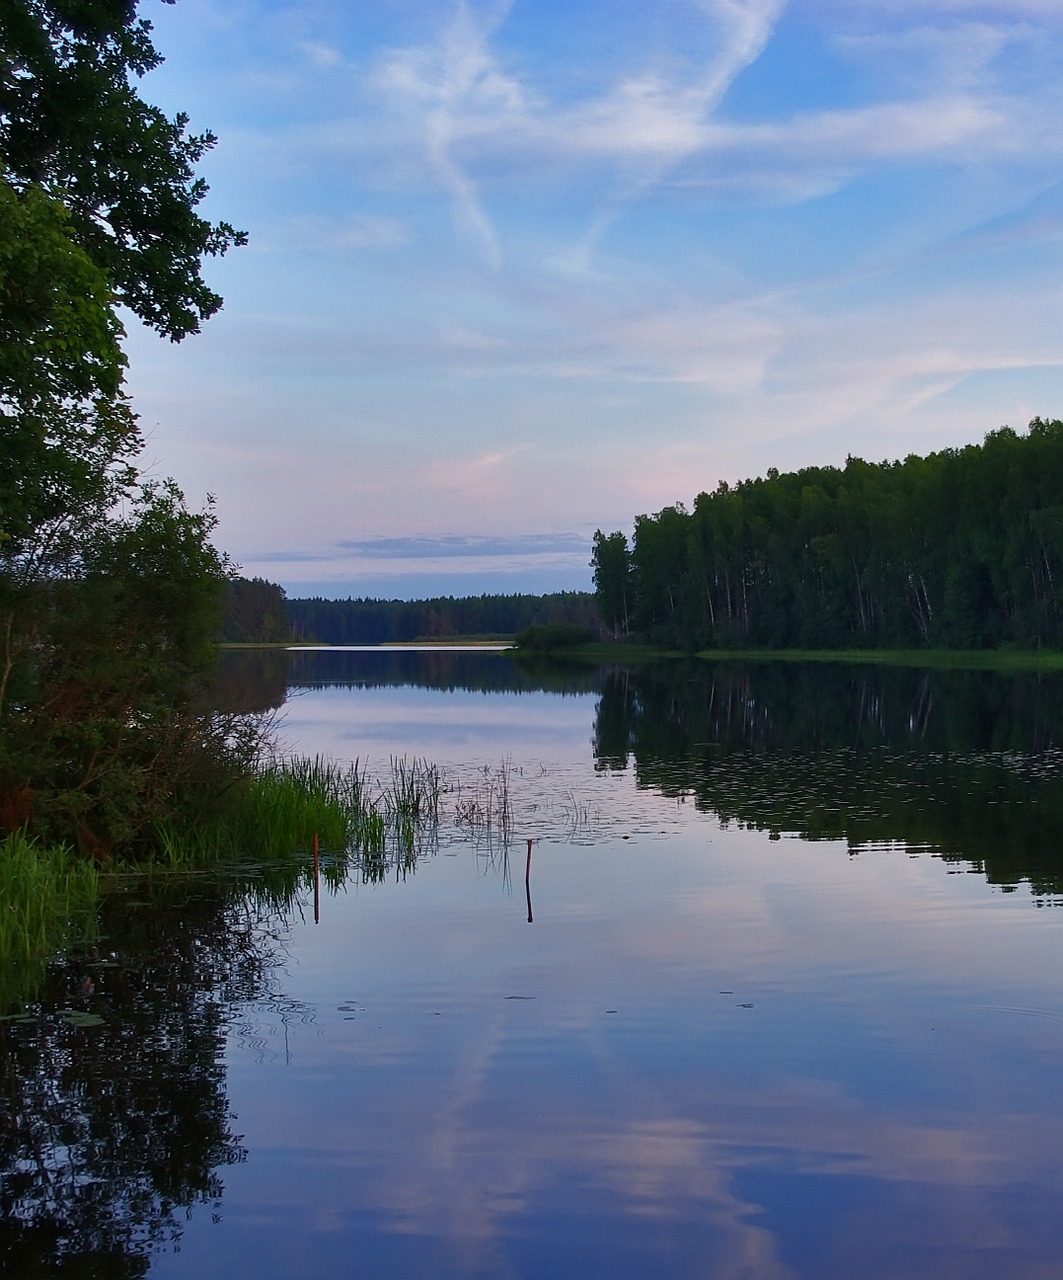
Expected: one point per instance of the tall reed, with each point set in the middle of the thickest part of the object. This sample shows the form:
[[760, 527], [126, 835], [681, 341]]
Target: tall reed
[[47, 900], [486, 808], [282, 806]]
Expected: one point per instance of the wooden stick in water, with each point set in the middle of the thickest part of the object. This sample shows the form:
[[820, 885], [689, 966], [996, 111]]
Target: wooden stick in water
[[527, 881], [317, 882]]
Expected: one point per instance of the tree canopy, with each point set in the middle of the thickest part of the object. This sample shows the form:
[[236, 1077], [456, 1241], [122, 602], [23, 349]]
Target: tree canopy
[[73, 126]]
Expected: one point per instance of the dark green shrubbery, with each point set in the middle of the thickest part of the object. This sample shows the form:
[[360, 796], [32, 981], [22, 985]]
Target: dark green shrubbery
[[550, 637]]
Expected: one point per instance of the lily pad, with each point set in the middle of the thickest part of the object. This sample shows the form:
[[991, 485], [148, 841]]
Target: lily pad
[[78, 1018]]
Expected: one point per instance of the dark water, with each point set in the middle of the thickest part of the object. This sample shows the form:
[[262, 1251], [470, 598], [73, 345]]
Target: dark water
[[789, 1005]]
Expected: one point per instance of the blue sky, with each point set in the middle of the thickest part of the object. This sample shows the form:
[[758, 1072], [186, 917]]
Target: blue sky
[[522, 270]]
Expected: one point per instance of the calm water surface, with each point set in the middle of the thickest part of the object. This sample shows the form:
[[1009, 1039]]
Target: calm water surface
[[788, 1004]]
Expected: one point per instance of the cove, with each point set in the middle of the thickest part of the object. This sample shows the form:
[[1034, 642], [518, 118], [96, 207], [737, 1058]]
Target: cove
[[788, 1005]]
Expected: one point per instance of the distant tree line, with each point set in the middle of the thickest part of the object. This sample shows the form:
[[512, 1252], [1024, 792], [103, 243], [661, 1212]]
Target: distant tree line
[[386, 621], [959, 549], [257, 611]]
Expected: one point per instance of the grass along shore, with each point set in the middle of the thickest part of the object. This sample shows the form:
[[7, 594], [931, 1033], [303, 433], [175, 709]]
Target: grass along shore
[[949, 659], [620, 653], [269, 824]]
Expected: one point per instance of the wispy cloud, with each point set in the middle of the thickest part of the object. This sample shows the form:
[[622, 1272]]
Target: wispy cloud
[[473, 477], [450, 546], [317, 233], [457, 80], [507, 278]]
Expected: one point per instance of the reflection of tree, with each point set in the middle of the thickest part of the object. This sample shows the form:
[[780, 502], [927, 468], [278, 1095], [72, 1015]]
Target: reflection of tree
[[250, 681], [483, 672], [964, 763], [114, 1114], [253, 680]]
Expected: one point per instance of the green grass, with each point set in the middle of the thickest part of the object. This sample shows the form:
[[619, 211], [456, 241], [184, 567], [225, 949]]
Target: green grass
[[48, 899], [282, 807], [950, 659], [260, 834], [953, 659]]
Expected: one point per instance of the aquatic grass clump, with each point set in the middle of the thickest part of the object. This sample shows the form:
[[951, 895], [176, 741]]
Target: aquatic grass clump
[[409, 807], [486, 808], [291, 802], [48, 899], [282, 807]]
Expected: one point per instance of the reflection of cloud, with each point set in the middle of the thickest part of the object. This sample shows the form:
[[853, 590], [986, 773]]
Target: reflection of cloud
[[663, 1168], [687, 1121]]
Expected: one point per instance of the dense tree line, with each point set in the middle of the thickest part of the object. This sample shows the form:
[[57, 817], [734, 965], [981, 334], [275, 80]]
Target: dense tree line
[[960, 549], [366, 621]]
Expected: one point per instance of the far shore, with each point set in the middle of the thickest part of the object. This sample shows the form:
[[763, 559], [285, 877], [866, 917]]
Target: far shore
[[619, 653]]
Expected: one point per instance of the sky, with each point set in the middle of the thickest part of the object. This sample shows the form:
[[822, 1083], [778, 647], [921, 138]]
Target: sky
[[522, 270]]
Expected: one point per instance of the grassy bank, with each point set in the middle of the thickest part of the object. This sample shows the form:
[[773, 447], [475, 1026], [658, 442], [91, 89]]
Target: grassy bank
[[265, 825], [281, 808], [1003, 660], [948, 659]]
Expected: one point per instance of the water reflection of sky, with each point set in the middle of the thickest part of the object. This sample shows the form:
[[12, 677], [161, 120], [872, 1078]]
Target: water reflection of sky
[[711, 1054], [442, 725]]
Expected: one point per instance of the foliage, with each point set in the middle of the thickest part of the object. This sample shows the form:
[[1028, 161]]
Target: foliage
[[961, 549], [66, 432], [254, 610], [102, 732], [549, 638], [611, 562], [109, 586], [73, 126]]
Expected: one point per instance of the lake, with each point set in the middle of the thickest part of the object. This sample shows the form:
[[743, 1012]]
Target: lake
[[740, 971]]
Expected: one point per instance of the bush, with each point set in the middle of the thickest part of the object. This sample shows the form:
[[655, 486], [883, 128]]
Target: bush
[[549, 638]]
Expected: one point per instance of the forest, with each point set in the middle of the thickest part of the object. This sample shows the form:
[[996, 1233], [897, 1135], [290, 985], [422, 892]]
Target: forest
[[255, 611], [961, 549], [387, 621]]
